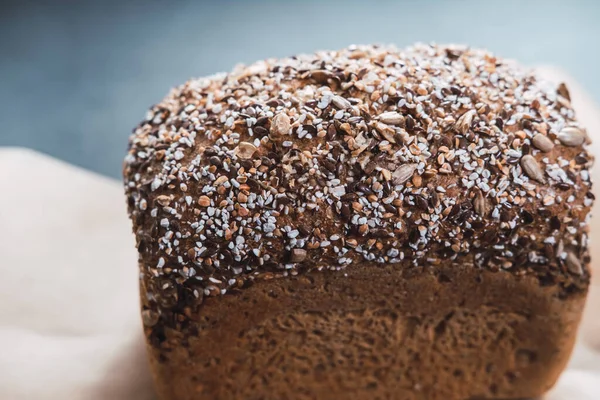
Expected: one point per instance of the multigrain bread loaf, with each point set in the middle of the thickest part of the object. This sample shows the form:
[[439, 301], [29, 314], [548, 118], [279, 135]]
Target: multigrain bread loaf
[[369, 223]]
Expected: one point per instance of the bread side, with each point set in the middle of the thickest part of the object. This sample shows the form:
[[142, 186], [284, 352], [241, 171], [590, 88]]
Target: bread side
[[416, 161], [377, 333]]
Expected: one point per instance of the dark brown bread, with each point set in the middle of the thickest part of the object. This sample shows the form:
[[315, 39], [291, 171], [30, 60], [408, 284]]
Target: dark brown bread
[[361, 224]]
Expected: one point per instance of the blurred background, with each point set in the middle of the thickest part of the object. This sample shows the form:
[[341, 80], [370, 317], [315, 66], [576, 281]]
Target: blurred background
[[76, 76]]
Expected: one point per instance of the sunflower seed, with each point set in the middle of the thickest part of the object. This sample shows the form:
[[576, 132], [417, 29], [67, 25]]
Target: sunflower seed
[[391, 117], [403, 173], [542, 142], [563, 91], [280, 125], [298, 255], [386, 131], [571, 136], [480, 204], [149, 318], [464, 122], [245, 150], [573, 264], [340, 102], [320, 75], [532, 168]]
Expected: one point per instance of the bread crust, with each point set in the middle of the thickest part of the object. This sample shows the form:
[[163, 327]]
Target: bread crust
[[454, 333], [364, 223]]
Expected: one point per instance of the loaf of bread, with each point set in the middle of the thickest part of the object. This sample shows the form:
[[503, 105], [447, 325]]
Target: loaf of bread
[[369, 223]]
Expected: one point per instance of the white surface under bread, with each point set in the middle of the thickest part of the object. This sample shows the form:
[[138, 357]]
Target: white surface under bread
[[69, 316], [69, 319]]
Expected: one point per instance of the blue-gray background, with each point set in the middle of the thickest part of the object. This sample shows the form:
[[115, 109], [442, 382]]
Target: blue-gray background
[[76, 76]]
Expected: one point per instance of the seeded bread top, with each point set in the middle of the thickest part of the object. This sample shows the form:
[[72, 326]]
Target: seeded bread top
[[369, 154]]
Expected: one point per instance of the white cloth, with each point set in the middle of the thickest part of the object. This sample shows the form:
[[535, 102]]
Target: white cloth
[[69, 317]]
